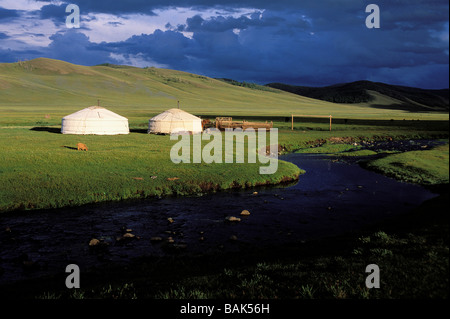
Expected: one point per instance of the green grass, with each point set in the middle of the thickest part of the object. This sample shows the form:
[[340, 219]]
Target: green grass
[[128, 91], [33, 89], [41, 169], [358, 153], [310, 135], [428, 167], [333, 276], [328, 148]]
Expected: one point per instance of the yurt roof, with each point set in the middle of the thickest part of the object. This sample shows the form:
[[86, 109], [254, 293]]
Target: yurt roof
[[94, 113], [175, 115]]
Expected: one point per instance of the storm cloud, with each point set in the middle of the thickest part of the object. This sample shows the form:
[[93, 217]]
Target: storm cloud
[[298, 42]]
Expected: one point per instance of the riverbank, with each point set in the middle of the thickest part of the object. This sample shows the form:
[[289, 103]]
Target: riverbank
[[422, 162], [411, 251], [427, 167], [41, 168]]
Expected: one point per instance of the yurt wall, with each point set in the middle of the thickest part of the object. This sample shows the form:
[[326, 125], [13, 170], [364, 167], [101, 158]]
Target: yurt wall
[[94, 120]]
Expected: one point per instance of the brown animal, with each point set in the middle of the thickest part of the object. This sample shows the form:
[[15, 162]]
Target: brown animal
[[82, 147], [206, 123]]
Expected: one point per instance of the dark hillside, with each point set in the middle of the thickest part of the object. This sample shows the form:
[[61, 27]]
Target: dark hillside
[[360, 92]]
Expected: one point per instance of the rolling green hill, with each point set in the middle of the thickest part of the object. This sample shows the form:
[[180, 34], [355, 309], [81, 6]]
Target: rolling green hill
[[45, 89]]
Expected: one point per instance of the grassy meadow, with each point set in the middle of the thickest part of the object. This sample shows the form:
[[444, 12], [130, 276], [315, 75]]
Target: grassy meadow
[[40, 168], [422, 167], [31, 90]]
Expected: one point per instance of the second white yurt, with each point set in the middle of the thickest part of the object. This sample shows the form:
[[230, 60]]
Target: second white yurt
[[174, 121], [94, 120]]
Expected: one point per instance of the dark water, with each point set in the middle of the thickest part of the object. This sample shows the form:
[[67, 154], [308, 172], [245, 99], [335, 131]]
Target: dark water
[[331, 198]]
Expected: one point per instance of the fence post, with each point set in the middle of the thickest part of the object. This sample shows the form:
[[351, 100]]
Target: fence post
[[292, 125], [330, 122]]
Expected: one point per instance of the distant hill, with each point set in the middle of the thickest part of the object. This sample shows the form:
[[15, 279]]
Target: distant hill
[[47, 83], [371, 93], [247, 85], [51, 88]]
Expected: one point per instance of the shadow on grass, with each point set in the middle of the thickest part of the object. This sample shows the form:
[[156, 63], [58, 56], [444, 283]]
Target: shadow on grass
[[55, 130], [70, 147], [411, 108], [138, 130]]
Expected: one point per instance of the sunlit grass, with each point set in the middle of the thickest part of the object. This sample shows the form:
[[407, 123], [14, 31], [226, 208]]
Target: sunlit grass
[[41, 169], [427, 167], [31, 90]]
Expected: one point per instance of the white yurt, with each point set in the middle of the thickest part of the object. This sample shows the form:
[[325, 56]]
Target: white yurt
[[94, 120], [173, 121]]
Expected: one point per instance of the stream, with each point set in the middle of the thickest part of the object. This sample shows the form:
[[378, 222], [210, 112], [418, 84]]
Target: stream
[[331, 198]]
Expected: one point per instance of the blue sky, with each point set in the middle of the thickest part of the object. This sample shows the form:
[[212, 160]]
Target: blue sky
[[302, 42]]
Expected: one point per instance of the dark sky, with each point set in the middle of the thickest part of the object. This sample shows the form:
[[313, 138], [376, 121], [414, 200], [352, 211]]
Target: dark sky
[[302, 42]]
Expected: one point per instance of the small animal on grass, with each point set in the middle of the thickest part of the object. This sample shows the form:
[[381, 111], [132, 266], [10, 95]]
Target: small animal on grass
[[81, 147], [206, 123]]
